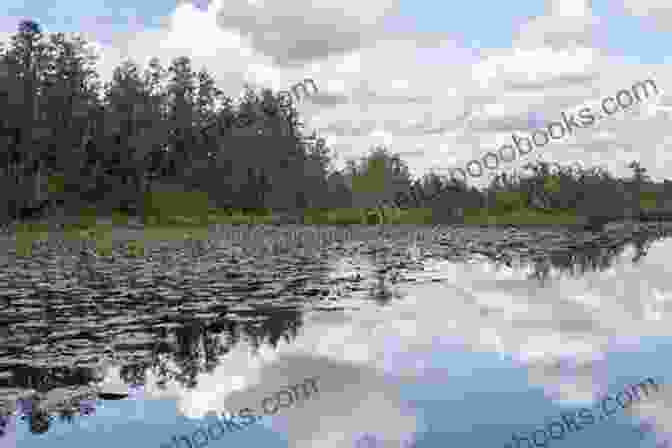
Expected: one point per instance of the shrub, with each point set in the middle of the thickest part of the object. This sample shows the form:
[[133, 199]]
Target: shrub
[[509, 201], [56, 183], [164, 206], [340, 216], [552, 184], [648, 199], [135, 248]]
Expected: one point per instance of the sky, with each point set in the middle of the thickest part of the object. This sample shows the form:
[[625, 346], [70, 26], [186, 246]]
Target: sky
[[440, 83]]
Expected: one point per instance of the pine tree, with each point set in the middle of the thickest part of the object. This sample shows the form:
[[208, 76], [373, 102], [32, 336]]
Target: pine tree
[[27, 58]]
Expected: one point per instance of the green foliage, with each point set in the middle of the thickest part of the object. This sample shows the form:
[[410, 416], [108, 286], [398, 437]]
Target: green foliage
[[87, 218], [175, 123], [552, 184], [377, 177], [648, 199], [509, 201], [417, 216], [339, 216], [523, 216], [56, 184], [27, 234], [176, 207], [373, 179], [135, 248], [359, 216]]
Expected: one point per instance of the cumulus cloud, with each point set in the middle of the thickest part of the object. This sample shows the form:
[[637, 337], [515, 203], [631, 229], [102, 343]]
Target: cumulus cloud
[[657, 11], [427, 94], [565, 23]]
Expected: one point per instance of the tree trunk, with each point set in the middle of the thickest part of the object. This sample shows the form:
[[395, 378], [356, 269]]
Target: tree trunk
[[39, 197], [6, 184]]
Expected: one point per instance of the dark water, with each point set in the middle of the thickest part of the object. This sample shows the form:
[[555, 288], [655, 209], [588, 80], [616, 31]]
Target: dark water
[[425, 336]]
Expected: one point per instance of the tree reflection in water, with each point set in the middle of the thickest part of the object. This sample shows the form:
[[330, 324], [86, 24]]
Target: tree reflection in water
[[182, 348], [578, 262], [179, 354]]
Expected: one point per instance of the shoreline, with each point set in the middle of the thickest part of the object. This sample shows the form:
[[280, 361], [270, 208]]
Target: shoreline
[[136, 226]]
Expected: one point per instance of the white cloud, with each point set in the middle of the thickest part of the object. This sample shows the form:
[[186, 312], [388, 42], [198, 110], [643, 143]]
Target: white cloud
[[411, 91], [197, 32], [569, 8], [658, 11]]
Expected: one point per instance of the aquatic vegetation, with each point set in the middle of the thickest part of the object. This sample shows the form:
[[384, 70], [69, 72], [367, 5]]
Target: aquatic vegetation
[[135, 248]]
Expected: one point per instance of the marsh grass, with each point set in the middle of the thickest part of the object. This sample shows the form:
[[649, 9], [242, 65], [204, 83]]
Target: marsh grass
[[649, 200], [522, 217], [183, 228], [565, 197], [135, 248], [370, 216], [592, 194]]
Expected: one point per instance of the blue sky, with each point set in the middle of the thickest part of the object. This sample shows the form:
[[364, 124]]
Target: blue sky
[[628, 35], [436, 81]]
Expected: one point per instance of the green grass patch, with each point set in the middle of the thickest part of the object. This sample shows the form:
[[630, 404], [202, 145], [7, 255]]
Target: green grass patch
[[32, 227], [510, 201], [552, 184], [86, 219], [648, 200], [364, 216], [183, 207], [175, 233], [423, 216], [521, 217], [102, 238], [135, 248], [181, 227], [186, 209], [648, 204], [27, 234], [239, 218], [340, 216], [119, 218]]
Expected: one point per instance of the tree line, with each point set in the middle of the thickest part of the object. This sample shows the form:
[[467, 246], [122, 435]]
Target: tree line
[[108, 143]]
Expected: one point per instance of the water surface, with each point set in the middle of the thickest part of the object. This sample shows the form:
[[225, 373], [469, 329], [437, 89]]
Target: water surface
[[461, 337]]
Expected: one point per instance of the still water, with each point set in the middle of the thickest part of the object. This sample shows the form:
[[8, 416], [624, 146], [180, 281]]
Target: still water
[[453, 340]]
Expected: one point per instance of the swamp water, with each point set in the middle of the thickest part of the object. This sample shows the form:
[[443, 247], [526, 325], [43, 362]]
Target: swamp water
[[426, 337]]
